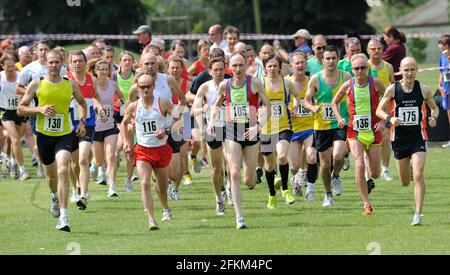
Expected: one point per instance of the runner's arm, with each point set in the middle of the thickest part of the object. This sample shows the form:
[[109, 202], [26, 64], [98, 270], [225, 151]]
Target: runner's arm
[[24, 109]]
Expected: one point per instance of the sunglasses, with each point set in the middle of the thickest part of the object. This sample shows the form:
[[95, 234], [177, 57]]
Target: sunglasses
[[360, 68], [320, 48], [144, 87], [376, 49]]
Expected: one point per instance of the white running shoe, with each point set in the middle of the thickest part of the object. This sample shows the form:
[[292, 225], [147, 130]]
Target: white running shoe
[[296, 187], [63, 224], [336, 185], [74, 198], [88, 195], [167, 215], [112, 191], [386, 175], [303, 179], [101, 179], [417, 219], [128, 187], [309, 196], [54, 209], [195, 164], [24, 176], [220, 208], [446, 145], [152, 225], [240, 223], [93, 171], [328, 200]]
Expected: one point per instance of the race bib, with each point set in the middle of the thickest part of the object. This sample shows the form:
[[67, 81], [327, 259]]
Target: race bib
[[54, 124], [239, 111], [327, 112], [302, 111], [109, 112], [148, 127], [409, 116], [13, 102], [277, 110], [362, 123], [76, 110]]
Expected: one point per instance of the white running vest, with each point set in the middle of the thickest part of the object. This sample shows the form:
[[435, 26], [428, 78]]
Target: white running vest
[[212, 97], [147, 122], [9, 100], [162, 88]]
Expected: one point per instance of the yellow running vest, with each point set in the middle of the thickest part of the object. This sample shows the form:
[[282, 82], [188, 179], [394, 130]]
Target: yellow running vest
[[304, 119], [59, 96], [280, 119]]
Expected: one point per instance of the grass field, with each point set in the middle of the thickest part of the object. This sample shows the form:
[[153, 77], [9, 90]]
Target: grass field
[[119, 225]]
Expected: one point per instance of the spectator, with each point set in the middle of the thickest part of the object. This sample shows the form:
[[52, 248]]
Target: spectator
[[144, 37], [301, 38], [395, 50], [216, 37]]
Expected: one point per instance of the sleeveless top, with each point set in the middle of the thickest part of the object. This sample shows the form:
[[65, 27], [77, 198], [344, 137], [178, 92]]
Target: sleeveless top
[[304, 119], [87, 90], [125, 85], [9, 100], [363, 103], [58, 95], [241, 103], [148, 121], [107, 99], [411, 108], [280, 119], [212, 97], [381, 73], [324, 119]]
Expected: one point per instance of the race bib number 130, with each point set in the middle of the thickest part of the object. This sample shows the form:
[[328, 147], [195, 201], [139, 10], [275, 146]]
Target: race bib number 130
[[54, 124]]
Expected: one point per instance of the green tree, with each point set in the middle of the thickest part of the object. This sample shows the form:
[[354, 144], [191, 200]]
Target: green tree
[[56, 16], [417, 48]]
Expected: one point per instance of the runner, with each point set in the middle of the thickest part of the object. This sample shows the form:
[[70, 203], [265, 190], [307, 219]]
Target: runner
[[364, 128], [11, 122], [408, 135], [385, 72], [302, 152], [204, 100], [315, 65], [151, 116], [54, 128], [242, 94], [276, 133], [329, 138]]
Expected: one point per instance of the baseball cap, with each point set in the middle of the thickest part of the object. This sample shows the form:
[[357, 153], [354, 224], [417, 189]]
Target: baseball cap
[[302, 33], [142, 29]]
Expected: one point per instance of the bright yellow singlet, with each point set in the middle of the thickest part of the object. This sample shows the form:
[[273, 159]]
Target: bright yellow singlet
[[59, 96], [280, 119], [304, 119]]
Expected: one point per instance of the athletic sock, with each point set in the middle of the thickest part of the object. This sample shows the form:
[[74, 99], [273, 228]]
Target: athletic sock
[[284, 173], [270, 178]]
